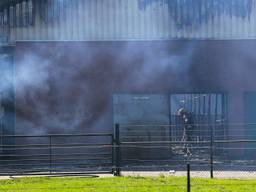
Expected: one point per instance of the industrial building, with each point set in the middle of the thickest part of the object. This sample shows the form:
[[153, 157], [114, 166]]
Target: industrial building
[[80, 66]]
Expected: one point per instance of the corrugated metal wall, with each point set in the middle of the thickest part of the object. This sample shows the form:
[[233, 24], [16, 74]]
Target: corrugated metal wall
[[129, 19]]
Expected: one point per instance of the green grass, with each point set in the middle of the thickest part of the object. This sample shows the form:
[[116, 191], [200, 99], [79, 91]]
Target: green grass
[[127, 184]]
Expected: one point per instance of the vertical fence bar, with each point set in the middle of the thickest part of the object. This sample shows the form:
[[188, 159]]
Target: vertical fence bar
[[188, 178], [211, 153], [50, 151], [116, 151], [113, 151]]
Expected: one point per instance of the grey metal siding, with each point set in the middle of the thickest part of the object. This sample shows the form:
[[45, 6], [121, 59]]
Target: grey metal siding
[[129, 19]]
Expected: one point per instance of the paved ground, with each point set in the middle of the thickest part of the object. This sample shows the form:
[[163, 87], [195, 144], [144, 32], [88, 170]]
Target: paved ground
[[201, 174]]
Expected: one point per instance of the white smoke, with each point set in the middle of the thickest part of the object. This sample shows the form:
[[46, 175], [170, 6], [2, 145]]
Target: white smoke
[[32, 74]]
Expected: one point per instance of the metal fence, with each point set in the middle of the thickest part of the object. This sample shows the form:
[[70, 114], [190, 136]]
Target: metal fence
[[113, 153], [229, 156], [232, 156], [56, 154]]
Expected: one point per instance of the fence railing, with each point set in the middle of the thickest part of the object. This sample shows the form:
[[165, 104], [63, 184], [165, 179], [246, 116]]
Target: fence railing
[[212, 155], [56, 154], [110, 153]]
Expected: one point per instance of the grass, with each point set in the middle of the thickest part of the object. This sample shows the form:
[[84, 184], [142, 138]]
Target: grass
[[127, 184]]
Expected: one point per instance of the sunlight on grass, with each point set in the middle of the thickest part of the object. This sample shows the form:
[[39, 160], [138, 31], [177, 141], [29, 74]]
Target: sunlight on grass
[[127, 184]]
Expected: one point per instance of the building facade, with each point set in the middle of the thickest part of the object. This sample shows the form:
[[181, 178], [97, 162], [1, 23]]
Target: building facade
[[78, 62]]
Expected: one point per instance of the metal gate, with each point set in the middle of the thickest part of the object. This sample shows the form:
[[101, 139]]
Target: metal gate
[[206, 113], [57, 154], [198, 118]]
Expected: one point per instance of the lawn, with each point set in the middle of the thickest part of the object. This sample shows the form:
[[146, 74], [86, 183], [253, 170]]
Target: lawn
[[127, 184]]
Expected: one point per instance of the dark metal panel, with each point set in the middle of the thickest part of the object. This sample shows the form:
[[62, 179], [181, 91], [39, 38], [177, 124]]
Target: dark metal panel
[[141, 109], [142, 118], [250, 123], [250, 113], [7, 98]]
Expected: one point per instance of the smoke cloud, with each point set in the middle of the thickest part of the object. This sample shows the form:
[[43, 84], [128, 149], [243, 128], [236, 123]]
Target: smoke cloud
[[69, 88]]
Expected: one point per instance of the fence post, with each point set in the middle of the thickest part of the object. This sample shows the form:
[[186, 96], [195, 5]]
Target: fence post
[[116, 151], [188, 178], [211, 154], [50, 151]]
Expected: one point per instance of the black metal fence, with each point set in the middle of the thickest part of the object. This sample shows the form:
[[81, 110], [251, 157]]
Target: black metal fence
[[56, 154], [114, 153], [215, 156]]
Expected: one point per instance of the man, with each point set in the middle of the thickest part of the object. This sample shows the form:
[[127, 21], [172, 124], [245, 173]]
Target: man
[[187, 125]]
